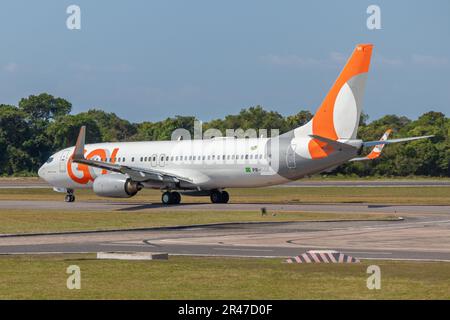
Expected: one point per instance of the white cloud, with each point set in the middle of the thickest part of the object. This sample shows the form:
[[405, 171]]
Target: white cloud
[[390, 62], [429, 61], [11, 67], [293, 60], [338, 57], [121, 68]]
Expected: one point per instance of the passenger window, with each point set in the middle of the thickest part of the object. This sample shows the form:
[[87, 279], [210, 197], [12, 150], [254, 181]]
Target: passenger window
[[132, 159]]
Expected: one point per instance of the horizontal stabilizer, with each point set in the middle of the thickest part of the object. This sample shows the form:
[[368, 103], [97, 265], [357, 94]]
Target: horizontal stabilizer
[[374, 143], [336, 145]]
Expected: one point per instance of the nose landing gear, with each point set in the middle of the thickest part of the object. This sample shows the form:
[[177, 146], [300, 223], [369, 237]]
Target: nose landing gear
[[70, 197]]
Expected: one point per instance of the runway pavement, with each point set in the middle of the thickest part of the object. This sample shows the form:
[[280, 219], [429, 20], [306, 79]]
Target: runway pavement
[[105, 205], [424, 234], [39, 183]]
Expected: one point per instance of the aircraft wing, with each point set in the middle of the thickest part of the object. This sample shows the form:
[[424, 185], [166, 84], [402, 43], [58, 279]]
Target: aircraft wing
[[136, 174]]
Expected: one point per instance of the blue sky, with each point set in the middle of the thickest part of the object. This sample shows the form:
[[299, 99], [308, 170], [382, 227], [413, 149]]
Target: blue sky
[[148, 60]]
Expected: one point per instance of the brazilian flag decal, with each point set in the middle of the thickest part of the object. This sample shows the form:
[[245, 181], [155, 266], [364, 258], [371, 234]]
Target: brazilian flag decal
[[248, 169]]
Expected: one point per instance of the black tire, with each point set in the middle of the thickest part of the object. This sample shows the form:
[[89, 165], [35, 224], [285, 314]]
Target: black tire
[[167, 198], [225, 197], [69, 198], [176, 197], [216, 197]]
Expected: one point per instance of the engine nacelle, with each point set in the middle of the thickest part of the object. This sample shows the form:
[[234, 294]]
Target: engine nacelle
[[115, 185]]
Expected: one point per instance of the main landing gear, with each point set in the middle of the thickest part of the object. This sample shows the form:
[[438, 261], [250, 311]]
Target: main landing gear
[[219, 196], [70, 197], [171, 198]]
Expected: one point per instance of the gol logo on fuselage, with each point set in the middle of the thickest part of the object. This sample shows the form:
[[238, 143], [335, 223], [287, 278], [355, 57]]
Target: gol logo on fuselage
[[83, 173]]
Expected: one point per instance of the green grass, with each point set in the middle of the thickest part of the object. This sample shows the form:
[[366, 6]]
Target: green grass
[[28, 221], [402, 195], [44, 277]]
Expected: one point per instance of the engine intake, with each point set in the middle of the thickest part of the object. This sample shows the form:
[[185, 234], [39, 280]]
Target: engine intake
[[115, 185]]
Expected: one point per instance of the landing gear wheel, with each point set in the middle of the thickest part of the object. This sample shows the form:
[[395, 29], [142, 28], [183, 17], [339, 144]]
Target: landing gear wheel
[[176, 198], [167, 198], [216, 196], [225, 197], [69, 198]]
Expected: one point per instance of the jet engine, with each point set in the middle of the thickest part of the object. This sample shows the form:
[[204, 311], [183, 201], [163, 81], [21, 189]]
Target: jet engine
[[115, 185]]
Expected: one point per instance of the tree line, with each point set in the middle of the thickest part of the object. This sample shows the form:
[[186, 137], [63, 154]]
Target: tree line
[[41, 124]]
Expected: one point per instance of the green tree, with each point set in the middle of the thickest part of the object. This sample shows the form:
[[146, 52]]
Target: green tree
[[64, 132], [44, 106], [298, 119], [14, 131], [112, 128]]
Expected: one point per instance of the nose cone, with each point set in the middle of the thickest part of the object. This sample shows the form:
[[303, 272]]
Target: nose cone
[[41, 172]]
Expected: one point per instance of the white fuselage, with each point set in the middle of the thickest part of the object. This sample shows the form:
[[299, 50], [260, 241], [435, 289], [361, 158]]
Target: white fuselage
[[209, 164]]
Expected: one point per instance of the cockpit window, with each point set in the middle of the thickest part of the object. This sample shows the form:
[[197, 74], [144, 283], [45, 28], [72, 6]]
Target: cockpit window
[[49, 160]]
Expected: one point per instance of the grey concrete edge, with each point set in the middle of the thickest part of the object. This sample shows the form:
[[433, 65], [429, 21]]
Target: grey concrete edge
[[178, 227]]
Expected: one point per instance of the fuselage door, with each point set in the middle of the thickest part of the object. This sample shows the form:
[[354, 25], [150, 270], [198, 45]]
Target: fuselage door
[[162, 159], [63, 160], [154, 160], [290, 157]]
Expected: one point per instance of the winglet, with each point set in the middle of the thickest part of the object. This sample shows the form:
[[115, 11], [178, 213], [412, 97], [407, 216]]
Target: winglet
[[78, 153], [376, 151]]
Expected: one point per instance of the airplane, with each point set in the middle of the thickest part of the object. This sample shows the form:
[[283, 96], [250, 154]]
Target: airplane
[[207, 167]]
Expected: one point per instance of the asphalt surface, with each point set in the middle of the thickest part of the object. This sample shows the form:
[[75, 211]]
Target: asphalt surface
[[423, 234], [39, 183], [102, 205]]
